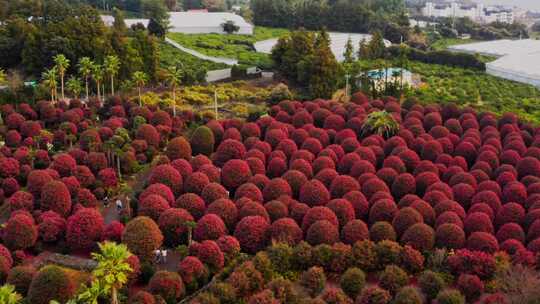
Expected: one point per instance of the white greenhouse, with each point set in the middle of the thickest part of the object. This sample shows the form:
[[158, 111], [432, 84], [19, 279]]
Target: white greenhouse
[[195, 22], [519, 60]]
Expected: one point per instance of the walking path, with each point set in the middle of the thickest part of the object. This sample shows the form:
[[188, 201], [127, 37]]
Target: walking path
[[227, 61]]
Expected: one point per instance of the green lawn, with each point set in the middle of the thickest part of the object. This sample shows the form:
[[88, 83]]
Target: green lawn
[[443, 44], [477, 89], [231, 46]]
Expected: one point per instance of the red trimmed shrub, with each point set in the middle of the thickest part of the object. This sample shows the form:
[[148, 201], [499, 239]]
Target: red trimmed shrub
[[528, 166], [343, 210], [314, 193], [51, 283], [168, 285], [249, 190], [21, 200], [276, 188], [405, 218], [113, 232], [227, 150], [158, 189], [149, 134], [142, 236], [510, 231], [514, 192], [482, 241], [178, 147], [153, 206], [510, 213], [478, 221], [286, 230], [449, 236], [167, 175], [419, 236], [382, 230], [84, 229], [85, 176], [403, 184], [192, 270], [354, 231], [20, 231], [209, 253], [193, 203], [64, 164], [250, 208], [471, 286], [382, 210], [21, 277], [195, 183], [342, 185], [276, 210], [253, 233], [234, 173], [225, 209], [51, 227], [172, 223], [36, 180], [316, 214], [209, 227]]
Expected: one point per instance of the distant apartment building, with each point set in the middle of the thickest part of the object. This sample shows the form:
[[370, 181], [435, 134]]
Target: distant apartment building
[[475, 12]]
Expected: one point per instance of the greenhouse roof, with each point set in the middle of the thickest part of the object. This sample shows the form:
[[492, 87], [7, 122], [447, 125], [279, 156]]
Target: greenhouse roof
[[500, 47]]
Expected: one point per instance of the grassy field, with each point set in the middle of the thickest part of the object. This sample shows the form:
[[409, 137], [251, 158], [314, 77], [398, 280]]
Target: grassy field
[[443, 44], [170, 55], [231, 46]]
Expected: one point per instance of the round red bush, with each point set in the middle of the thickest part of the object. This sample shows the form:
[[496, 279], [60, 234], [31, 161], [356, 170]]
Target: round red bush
[[353, 231], [191, 202], [225, 209], [64, 164], [322, 232], [20, 231], [276, 188], [382, 210], [510, 231], [319, 213], [153, 206], [51, 283], [178, 147], [227, 150], [419, 236], [209, 227], [113, 231], [343, 210], [478, 221], [191, 269], [51, 227], [405, 218], [482, 241], [253, 233], [449, 236], [167, 175], [286, 230], [342, 185], [234, 173], [142, 236], [209, 253], [168, 285], [314, 193], [173, 225], [249, 190], [84, 229], [158, 189], [21, 200], [149, 134]]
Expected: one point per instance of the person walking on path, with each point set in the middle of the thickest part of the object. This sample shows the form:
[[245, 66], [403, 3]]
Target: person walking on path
[[119, 205], [157, 254], [164, 255]]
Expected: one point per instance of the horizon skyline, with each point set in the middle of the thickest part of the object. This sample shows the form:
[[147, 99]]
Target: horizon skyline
[[524, 4]]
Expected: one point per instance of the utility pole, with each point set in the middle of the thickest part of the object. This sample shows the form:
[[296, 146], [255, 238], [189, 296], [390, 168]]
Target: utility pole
[[215, 103], [347, 76]]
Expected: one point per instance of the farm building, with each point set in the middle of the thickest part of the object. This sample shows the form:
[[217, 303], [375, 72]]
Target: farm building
[[195, 22], [518, 60]]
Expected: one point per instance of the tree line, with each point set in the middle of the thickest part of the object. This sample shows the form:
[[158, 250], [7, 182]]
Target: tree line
[[359, 16]]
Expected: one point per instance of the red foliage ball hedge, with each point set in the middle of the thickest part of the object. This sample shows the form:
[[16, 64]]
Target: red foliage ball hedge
[[286, 230], [158, 189], [482, 241], [172, 224], [153, 206], [64, 164], [51, 283], [142, 236], [178, 147], [168, 285], [84, 229], [20, 231], [342, 185], [21, 200], [209, 253], [209, 227], [354, 231], [319, 213], [167, 175], [55, 196], [193, 203], [419, 236], [51, 227], [450, 236], [322, 232], [252, 232], [234, 173], [314, 193]]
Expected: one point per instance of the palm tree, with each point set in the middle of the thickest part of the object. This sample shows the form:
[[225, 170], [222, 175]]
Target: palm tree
[[62, 64], [174, 77], [112, 65], [140, 79], [113, 269], [74, 86], [49, 79], [85, 69], [97, 74], [8, 295]]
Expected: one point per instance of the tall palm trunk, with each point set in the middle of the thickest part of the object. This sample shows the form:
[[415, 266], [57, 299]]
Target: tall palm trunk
[[114, 296], [86, 78], [174, 100], [98, 91], [62, 86], [140, 100], [112, 85]]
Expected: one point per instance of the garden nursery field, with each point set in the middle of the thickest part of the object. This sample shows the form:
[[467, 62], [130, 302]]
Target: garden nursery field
[[364, 202]]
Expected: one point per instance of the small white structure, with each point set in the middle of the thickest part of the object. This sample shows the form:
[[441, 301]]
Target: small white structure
[[338, 42], [519, 60], [195, 22]]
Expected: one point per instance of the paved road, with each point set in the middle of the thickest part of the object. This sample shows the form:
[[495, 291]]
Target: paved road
[[227, 61]]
